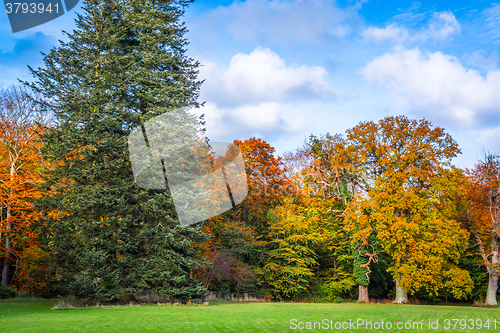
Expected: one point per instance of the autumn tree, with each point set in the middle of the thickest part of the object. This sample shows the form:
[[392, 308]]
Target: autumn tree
[[332, 175], [267, 182], [231, 253], [240, 233], [320, 193], [293, 232], [407, 201], [21, 122], [330, 172], [334, 274], [290, 195], [123, 65], [483, 217]]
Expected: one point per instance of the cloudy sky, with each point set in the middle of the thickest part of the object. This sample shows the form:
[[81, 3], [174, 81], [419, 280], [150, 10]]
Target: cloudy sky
[[283, 69]]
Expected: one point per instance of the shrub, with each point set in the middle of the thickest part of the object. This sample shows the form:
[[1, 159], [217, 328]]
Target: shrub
[[335, 289], [7, 292]]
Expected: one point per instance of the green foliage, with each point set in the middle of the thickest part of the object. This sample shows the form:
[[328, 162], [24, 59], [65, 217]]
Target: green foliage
[[381, 281], [336, 290], [239, 239], [329, 178], [361, 274], [288, 270], [96, 281], [7, 292], [123, 65], [478, 274]]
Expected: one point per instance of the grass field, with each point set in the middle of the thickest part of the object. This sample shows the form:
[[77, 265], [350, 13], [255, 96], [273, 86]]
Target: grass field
[[244, 317]]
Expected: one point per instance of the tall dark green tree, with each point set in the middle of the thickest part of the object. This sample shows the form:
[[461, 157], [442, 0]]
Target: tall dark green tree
[[123, 65]]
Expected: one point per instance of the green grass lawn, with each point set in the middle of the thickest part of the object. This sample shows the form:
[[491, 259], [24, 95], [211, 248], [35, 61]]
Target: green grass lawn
[[240, 317]]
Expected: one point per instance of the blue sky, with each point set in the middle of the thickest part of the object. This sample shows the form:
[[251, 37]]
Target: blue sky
[[284, 69]]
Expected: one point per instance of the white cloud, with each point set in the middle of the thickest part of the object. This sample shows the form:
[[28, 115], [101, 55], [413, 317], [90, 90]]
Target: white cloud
[[480, 60], [489, 139], [492, 20], [440, 27], [262, 76], [281, 20], [262, 119], [252, 95], [391, 31], [438, 86], [443, 25]]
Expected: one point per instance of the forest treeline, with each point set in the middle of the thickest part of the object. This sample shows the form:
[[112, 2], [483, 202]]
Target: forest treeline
[[379, 211]]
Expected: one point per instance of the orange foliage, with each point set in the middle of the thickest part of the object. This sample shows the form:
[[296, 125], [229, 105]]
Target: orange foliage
[[267, 180], [267, 184], [408, 199], [20, 165]]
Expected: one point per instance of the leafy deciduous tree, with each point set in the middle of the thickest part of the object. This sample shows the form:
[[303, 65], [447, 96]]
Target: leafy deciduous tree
[[483, 217], [401, 163], [21, 122], [267, 182], [293, 232]]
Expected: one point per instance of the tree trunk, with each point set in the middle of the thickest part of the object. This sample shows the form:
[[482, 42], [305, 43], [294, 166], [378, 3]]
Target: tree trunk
[[244, 214], [363, 294], [8, 248], [5, 270], [491, 295], [401, 295]]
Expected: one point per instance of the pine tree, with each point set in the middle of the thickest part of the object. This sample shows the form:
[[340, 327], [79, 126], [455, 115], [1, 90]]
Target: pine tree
[[123, 65]]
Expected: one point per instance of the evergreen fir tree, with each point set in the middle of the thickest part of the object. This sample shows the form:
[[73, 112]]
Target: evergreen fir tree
[[123, 65]]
